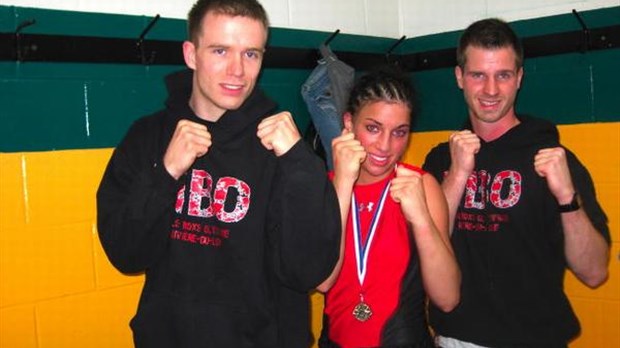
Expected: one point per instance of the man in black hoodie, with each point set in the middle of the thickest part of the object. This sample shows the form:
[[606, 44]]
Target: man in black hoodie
[[522, 209], [231, 217]]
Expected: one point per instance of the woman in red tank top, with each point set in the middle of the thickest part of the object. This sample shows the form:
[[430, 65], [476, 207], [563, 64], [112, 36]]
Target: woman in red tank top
[[395, 248]]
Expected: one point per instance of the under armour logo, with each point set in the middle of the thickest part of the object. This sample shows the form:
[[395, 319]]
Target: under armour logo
[[365, 206]]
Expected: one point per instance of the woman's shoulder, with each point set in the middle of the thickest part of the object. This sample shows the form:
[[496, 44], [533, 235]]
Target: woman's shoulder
[[412, 167]]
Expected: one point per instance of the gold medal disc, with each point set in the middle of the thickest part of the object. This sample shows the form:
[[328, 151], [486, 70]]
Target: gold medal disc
[[362, 312]]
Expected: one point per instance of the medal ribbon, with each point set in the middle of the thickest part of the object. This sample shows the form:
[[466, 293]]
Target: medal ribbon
[[362, 248]]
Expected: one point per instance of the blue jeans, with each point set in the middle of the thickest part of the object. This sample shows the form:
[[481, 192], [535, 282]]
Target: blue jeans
[[327, 120]]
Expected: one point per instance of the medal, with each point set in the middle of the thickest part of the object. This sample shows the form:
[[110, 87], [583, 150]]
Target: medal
[[362, 311]]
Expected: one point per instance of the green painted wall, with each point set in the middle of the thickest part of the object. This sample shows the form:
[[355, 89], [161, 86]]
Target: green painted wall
[[55, 106]]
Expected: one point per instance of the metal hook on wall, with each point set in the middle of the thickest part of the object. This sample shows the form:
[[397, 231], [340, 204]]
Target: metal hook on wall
[[391, 49], [585, 45], [331, 37], [20, 53], [140, 43]]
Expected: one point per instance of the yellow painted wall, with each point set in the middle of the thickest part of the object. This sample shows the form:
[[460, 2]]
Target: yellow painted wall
[[57, 289]]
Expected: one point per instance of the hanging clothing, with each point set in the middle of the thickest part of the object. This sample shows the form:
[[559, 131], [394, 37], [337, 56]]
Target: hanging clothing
[[326, 92]]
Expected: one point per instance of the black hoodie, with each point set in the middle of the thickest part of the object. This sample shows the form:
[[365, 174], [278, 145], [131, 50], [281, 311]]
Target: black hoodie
[[509, 243], [231, 248]]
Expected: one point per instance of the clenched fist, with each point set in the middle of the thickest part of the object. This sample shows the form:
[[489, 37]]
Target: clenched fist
[[552, 165], [464, 145], [348, 155], [407, 188], [278, 133], [189, 141]]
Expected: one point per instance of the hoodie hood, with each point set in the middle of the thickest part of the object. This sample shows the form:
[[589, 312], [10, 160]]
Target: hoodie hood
[[529, 132], [232, 123]]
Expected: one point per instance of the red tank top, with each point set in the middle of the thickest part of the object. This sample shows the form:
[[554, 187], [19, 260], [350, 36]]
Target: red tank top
[[387, 262]]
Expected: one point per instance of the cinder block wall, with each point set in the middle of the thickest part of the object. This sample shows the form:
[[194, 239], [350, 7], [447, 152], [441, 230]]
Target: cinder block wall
[[57, 288], [386, 18]]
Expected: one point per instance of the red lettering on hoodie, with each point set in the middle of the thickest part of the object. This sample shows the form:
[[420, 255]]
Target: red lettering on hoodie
[[203, 204]]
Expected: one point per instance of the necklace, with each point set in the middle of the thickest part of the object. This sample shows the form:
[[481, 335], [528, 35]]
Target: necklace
[[362, 311]]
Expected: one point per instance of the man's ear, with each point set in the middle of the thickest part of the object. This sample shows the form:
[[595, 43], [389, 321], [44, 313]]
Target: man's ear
[[189, 54], [519, 77], [458, 73]]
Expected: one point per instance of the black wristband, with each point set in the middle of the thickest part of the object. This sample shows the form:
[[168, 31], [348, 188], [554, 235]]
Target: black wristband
[[572, 206]]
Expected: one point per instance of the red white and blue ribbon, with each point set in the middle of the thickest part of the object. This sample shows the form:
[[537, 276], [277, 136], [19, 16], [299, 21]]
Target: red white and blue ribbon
[[362, 248]]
